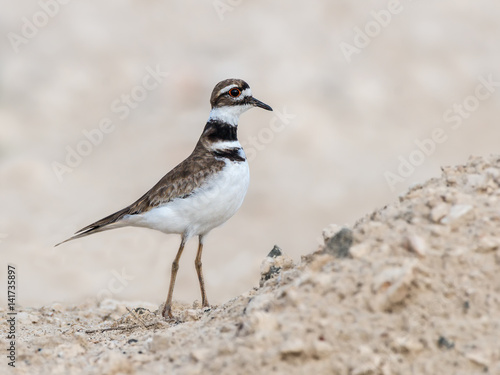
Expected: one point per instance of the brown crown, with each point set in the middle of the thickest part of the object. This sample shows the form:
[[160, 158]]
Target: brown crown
[[218, 100]]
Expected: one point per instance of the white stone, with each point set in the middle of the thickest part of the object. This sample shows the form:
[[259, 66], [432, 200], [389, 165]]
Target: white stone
[[458, 211], [417, 244]]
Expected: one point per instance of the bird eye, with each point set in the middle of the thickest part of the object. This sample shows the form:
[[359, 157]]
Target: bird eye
[[235, 92]]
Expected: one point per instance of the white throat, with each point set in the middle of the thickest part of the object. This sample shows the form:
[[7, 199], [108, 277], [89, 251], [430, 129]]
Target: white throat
[[228, 114]]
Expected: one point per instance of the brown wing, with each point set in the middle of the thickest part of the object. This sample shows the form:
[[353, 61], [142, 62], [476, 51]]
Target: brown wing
[[180, 182]]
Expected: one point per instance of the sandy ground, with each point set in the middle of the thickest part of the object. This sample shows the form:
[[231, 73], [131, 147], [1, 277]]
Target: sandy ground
[[421, 92], [412, 288], [351, 122]]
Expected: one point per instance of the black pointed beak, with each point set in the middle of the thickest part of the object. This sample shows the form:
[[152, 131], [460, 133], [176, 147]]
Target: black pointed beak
[[258, 103]]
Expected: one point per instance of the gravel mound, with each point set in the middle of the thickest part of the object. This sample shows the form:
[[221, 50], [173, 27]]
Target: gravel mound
[[412, 288]]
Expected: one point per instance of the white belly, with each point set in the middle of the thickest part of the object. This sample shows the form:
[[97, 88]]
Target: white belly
[[205, 209]]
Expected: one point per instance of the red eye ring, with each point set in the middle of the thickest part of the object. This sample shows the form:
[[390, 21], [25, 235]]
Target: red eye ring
[[234, 92]]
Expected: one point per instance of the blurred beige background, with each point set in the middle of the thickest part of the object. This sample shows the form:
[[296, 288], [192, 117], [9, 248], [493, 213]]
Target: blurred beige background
[[354, 85]]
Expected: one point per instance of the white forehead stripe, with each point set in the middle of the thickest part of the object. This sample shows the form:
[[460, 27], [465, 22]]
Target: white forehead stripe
[[246, 92], [227, 88]]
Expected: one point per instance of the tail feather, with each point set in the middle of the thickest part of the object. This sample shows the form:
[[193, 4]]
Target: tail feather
[[109, 222]]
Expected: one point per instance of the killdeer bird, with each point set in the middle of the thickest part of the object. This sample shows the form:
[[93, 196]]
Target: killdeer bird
[[200, 193]]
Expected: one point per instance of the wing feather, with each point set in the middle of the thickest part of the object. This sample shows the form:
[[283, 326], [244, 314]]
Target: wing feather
[[180, 182]]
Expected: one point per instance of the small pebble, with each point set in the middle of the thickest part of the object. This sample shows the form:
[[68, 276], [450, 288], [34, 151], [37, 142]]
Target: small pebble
[[275, 252], [339, 245], [292, 347], [438, 212], [417, 244], [457, 212], [443, 342]]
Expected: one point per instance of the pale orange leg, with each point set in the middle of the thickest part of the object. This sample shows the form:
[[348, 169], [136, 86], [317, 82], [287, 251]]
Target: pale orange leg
[[199, 271], [167, 309]]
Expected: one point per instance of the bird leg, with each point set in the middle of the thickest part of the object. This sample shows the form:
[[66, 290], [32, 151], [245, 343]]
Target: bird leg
[[199, 271], [167, 309]]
